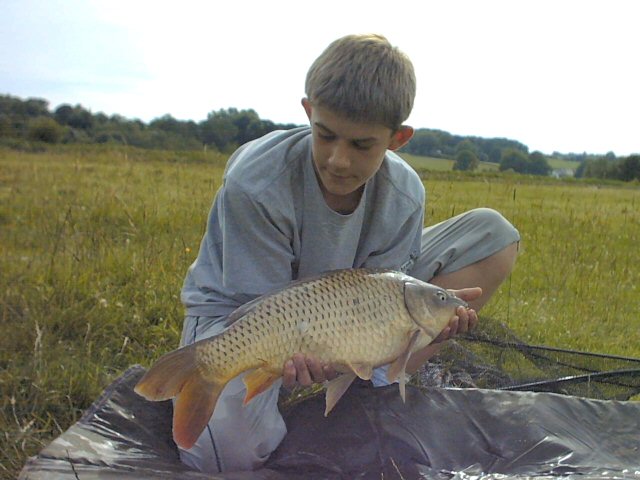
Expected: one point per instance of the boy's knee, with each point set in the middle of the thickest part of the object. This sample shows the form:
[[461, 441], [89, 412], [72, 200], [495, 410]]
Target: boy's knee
[[486, 216], [495, 223]]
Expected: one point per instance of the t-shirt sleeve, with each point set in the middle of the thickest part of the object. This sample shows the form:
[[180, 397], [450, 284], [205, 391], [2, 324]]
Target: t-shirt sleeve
[[257, 253]]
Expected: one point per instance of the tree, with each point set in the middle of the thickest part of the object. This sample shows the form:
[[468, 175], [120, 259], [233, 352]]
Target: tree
[[513, 160], [248, 124], [166, 123], [74, 117], [630, 168], [466, 160], [169, 133], [5, 126], [35, 107], [538, 164], [466, 144], [534, 164], [424, 142], [600, 168], [44, 129], [494, 154], [219, 130], [63, 113]]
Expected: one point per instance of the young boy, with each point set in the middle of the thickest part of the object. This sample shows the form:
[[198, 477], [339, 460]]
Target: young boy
[[301, 202]]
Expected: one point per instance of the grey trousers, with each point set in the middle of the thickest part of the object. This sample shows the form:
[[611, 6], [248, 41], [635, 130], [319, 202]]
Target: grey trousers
[[242, 437]]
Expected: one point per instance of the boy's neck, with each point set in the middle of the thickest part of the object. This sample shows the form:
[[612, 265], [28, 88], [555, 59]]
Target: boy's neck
[[342, 204]]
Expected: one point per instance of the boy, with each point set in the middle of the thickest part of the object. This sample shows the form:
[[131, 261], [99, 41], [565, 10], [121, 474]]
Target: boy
[[300, 202]]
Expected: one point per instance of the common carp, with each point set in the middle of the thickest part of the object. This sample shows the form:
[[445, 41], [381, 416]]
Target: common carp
[[353, 319]]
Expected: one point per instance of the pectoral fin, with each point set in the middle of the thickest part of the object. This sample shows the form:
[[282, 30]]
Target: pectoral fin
[[336, 388], [258, 381], [362, 370], [398, 367]]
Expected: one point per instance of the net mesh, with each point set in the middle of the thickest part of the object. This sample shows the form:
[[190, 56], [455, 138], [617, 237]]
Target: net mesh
[[492, 356]]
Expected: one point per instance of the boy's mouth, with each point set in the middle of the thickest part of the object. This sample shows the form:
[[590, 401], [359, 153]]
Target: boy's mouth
[[338, 176]]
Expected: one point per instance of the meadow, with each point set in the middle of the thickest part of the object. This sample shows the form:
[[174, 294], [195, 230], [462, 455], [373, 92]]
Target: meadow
[[441, 164], [95, 243], [444, 164]]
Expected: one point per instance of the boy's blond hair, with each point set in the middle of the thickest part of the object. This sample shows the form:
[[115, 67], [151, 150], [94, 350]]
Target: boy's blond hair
[[364, 78]]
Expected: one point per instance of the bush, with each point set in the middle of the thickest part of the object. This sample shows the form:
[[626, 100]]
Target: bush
[[466, 160], [44, 130]]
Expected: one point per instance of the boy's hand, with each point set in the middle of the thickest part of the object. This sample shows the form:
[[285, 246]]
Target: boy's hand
[[305, 370], [465, 319]]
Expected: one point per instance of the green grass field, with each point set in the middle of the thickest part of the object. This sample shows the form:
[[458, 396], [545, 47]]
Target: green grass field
[[95, 244], [441, 164]]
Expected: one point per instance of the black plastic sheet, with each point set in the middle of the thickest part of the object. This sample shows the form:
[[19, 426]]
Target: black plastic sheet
[[439, 433]]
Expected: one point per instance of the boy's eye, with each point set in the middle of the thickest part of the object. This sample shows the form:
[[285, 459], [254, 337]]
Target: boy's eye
[[326, 136], [360, 146]]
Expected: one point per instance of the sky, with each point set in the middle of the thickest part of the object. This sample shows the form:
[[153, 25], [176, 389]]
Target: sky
[[556, 75]]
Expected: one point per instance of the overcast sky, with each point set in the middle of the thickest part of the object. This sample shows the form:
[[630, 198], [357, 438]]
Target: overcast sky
[[556, 75]]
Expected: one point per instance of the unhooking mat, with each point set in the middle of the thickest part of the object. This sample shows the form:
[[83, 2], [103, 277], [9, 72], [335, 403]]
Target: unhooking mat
[[438, 433]]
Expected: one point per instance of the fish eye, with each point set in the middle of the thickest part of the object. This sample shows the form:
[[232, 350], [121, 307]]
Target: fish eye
[[442, 296]]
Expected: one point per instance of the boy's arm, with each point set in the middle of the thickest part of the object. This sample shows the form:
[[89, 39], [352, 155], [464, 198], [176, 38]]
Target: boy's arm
[[256, 240]]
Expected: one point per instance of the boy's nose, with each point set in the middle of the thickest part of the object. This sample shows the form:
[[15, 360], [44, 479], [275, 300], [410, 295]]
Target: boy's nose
[[339, 158]]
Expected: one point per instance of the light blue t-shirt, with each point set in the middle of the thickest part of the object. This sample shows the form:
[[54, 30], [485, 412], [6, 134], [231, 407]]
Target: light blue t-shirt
[[269, 224]]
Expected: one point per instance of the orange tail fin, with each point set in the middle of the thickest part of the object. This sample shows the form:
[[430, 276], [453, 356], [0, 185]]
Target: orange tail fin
[[176, 375], [166, 378]]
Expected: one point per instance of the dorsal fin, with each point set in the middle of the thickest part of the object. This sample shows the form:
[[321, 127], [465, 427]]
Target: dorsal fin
[[241, 311]]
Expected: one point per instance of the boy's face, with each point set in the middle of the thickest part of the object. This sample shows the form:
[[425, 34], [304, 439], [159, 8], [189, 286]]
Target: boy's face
[[346, 154]]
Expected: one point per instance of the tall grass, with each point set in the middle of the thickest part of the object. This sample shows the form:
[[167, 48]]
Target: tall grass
[[94, 249], [94, 246], [577, 281]]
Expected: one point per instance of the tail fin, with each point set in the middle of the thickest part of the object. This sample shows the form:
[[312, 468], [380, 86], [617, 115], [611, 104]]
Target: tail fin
[[176, 374], [168, 375]]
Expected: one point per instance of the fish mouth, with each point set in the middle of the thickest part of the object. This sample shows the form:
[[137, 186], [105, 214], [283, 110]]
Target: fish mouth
[[458, 302]]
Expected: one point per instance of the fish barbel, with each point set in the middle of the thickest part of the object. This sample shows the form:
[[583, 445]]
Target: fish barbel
[[353, 319]]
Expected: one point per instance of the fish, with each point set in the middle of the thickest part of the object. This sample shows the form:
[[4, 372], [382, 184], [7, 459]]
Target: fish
[[354, 319]]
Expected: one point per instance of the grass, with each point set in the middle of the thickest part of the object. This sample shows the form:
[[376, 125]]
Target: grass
[[95, 243], [441, 164], [562, 163], [576, 284]]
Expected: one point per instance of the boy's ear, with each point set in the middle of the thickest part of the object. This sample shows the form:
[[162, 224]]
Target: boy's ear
[[307, 107], [400, 138]]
